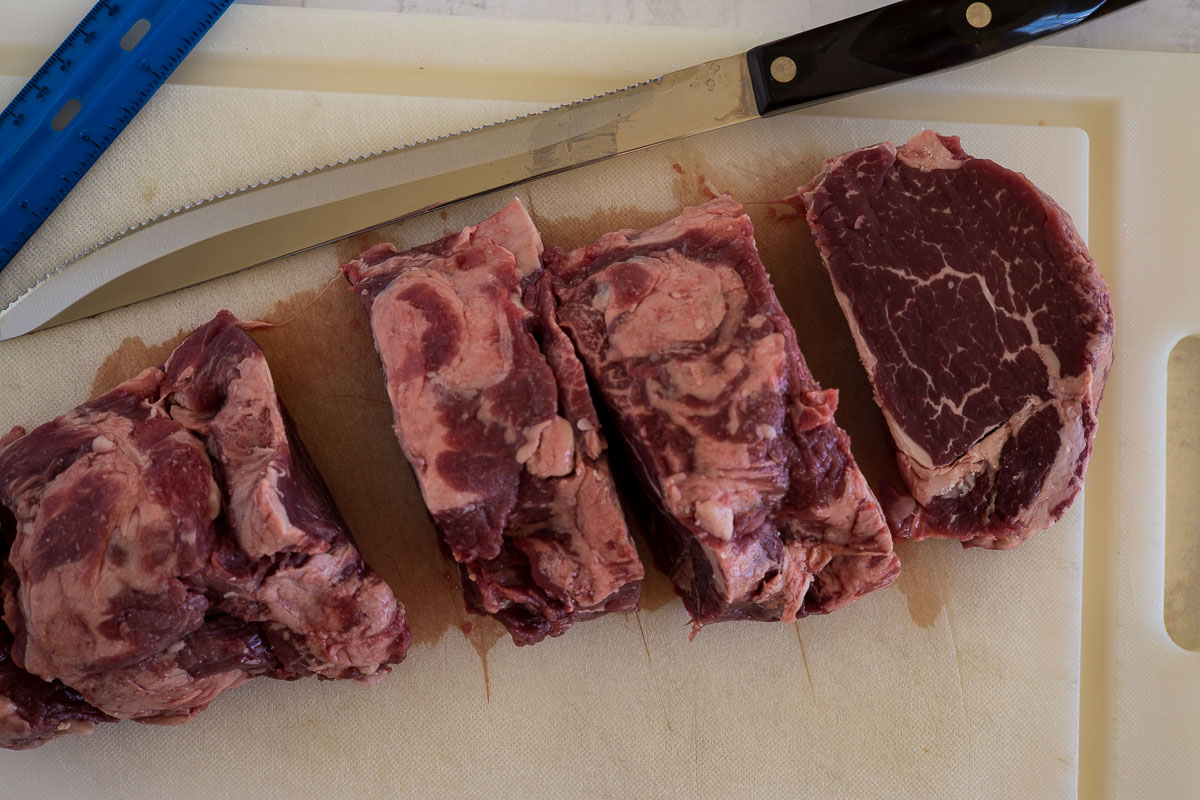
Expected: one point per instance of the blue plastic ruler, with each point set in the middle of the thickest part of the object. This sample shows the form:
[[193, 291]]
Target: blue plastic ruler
[[82, 97]]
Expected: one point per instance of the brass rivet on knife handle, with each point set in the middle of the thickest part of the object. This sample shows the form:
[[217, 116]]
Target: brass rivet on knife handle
[[979, 15], [783, 69]]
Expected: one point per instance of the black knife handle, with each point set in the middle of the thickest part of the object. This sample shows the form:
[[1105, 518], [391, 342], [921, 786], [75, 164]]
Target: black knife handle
[[902, 41]]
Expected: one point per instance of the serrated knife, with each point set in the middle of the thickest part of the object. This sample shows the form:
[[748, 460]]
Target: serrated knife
[[277, 218]]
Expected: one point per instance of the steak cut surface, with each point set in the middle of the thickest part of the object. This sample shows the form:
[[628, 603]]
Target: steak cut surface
[[170, 540], [34, 711], [763, 512], [983, 324], [493, 413]]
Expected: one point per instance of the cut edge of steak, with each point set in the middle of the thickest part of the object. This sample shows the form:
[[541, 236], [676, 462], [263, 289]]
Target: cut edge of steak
[[983, 324], [756, 491], [34, 711], [492, 410], [147, 572]]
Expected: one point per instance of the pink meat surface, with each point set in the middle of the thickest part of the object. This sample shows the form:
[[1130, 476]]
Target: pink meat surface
[[171, 540], [492, 411], [764, 514]]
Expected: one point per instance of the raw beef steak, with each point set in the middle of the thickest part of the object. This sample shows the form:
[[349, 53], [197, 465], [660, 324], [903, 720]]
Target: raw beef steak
[[34, 711], [492, 410], [765, 515], [171, 540], [983, 324]]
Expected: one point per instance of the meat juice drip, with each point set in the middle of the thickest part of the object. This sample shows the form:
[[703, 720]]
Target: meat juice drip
[[657, 590], [482, 634], [920, 582]]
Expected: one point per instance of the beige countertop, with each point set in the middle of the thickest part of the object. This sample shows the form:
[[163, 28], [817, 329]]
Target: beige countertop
[[1156, 25]]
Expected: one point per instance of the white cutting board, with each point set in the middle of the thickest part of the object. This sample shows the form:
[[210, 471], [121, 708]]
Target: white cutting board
[[963, 681]]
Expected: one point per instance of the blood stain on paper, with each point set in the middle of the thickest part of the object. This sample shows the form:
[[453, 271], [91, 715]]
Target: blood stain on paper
[[920, 584], [482, 637]]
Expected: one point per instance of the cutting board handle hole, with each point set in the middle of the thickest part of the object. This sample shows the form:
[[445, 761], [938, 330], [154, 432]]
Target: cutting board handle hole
[[135, 33], [1181, 578]]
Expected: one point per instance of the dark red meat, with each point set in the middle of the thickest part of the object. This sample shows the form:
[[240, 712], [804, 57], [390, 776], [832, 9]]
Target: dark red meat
[[764, 513], [984, 326]]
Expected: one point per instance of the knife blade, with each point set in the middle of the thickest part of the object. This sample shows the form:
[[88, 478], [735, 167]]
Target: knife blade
[[257, 224]]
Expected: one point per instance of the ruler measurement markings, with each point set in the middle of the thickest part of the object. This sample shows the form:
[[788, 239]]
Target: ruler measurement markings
[[40, 164]]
